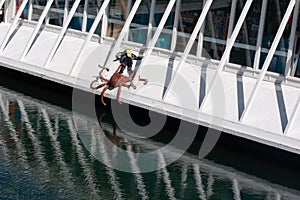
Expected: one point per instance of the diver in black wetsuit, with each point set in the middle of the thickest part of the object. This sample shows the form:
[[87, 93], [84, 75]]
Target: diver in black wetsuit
[[125, 59]]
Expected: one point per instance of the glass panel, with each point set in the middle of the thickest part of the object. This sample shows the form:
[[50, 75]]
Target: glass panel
[[76, 22], [243, 52], [275, 12], [216, 27]]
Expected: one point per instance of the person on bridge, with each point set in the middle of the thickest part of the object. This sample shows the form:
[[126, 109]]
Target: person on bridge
[[125, 59], [116, 80]]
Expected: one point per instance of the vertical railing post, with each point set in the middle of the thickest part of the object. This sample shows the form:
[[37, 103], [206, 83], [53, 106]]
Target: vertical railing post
[[61, 34], [66, 11], [289, 58], [260, 34], [84, 16], [175, 26], [30, 10], [201, 37], [268, 59], [101, 12], [227, 51], [13, 26], [104, 24], [151, 21], [191, 40], [36, 29]]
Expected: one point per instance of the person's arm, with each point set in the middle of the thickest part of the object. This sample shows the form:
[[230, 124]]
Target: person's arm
[[134, 57]]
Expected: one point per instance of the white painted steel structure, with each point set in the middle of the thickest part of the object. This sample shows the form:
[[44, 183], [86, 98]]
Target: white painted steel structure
[[259, 105]]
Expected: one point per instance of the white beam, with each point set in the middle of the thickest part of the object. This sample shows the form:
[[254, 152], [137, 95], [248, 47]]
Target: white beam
[[13, 26], [227, 51], [123, 32], [36, 29], [260, 34], [268, 59], [231, 19], [289, 59], [61, 34], [201, 37], [191, 40], [30, 9], [92, 30]]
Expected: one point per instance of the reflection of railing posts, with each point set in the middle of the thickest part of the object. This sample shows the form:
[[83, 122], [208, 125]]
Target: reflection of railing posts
[[198, 181], [137, 173], [236, 190], [227, 51], [260, 34], [268, 59], [9, 10], [289, 58], [61, 34], [92, 30], [190, 43], [166, 176], [36, 29], [123, 31], [151, 21], [13, 26], [175, 26]]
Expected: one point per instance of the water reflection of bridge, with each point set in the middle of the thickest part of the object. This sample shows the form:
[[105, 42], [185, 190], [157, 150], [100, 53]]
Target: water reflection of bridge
[[32, 131]]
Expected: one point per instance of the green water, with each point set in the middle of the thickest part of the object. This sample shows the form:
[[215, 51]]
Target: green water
[[42, 156]]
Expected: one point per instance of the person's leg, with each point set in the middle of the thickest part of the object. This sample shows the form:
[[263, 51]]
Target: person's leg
[[100, 86]]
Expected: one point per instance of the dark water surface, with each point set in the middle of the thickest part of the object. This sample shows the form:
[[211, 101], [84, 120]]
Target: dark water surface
[[42, 156]]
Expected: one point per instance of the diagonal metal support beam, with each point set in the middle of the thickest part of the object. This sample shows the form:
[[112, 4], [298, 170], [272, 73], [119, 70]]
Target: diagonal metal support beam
[[61, 34], [268, 59], [36, 29], [74, 71], [123, 32], [13, 26], [227, 51], [192, 39]]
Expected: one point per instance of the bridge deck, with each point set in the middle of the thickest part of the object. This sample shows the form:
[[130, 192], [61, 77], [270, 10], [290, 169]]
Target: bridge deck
[[265, 123]]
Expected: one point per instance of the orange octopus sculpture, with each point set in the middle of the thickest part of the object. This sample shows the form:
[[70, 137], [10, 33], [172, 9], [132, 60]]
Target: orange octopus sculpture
[[116, 80]]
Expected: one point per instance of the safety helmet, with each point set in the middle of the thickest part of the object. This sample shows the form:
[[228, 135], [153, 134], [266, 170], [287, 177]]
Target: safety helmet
[[128, 52]]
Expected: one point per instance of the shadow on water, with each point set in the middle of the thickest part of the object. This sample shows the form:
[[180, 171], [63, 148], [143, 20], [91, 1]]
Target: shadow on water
[[262, 161]]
